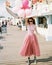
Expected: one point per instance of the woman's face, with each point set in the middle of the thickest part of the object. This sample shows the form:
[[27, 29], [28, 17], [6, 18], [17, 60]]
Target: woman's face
[[31, 21]]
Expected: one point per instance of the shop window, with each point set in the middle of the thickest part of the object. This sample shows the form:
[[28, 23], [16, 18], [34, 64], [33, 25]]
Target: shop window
[[42, 22]]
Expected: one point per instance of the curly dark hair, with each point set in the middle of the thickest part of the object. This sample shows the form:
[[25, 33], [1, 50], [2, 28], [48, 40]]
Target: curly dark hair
[[31, 18]]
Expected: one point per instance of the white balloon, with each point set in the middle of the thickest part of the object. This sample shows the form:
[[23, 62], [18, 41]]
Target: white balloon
[[21, 13], [17, 5], [15, 9], [28, 12]]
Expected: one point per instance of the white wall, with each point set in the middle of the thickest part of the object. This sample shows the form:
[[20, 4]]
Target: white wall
[[49, 33], [42, 31]]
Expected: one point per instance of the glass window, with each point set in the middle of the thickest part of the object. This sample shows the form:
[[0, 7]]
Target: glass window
[[42, 22]]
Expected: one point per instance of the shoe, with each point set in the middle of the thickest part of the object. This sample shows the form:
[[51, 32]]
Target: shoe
[[29, 61], [34, 62]]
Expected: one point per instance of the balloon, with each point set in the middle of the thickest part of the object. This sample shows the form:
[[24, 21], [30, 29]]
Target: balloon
[[24, 10], [18, 3], [25, 4], [28, 12], [34, 1], [40, 0], [25, 7], [7, 3], [15, 9], [21, 13]]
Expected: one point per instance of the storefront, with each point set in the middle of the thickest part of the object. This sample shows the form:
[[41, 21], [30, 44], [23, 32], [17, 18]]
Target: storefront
[[44, 26]]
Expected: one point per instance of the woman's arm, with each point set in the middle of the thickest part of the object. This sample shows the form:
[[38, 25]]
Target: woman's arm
[[36, 29]]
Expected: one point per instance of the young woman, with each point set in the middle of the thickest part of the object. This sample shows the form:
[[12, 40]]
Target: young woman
[[30, 46]]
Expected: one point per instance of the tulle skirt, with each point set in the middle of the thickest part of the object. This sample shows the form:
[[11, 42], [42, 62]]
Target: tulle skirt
[[30, 46]]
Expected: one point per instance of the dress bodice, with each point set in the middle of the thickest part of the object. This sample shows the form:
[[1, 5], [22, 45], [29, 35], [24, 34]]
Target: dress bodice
[[31, 28]]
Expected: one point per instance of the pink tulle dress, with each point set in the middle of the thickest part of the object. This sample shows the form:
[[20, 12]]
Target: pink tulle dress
[[30, 45]]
